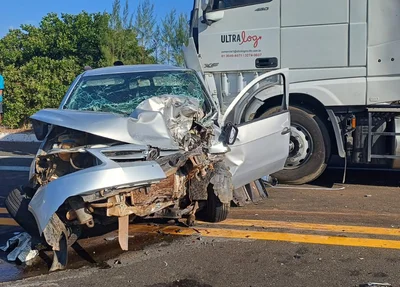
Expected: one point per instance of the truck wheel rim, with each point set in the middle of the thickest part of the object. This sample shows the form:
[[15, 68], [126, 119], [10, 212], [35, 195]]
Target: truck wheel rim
[[300, 147]]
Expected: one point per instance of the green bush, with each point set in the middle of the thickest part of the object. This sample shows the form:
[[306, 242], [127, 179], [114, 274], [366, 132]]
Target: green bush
[[40, 83]]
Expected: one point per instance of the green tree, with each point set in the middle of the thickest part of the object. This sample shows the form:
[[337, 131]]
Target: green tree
[[157, 45], [120, 41], [145, 24], [168, 24], [76, 36], [174, 34], [181, 38]]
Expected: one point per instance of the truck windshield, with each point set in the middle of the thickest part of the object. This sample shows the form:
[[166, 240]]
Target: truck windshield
[[122, 93]]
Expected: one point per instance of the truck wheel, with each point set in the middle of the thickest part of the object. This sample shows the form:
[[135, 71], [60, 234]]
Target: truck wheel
[[17, 206], [310, 147]]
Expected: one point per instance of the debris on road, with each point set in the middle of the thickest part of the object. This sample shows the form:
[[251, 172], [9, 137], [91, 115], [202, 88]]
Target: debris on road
[[375, 285], [20, 248], [110, 238]]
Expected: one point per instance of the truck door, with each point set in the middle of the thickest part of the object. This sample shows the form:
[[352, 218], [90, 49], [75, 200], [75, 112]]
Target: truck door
[[262, 144], [240, 35]]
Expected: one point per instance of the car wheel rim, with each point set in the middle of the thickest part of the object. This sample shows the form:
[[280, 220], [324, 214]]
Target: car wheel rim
[[300, 147]]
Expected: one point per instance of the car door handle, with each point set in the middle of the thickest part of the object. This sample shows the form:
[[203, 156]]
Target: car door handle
[[285, 131]]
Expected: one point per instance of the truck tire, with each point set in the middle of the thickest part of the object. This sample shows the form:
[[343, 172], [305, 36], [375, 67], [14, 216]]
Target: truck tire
[[17, 206], [310, 147]]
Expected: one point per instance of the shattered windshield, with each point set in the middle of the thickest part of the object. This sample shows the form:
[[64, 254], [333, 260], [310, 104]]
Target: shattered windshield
[[122, 93]]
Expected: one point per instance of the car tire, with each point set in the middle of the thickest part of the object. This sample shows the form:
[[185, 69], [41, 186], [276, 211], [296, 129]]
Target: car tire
[[16, 204], [216, 211], [316, 136]]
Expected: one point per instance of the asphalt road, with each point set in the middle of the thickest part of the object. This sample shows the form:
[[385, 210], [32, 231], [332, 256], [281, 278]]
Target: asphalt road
[[326, 234]]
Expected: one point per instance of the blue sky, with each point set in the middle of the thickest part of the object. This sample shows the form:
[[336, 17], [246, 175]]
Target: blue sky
[[17, 12]]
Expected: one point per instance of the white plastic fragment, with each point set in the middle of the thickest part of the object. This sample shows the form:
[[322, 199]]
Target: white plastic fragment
[[371, 284], [22, 250]]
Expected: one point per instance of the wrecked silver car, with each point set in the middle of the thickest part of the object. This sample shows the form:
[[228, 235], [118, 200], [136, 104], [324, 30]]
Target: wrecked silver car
[[142, 141]]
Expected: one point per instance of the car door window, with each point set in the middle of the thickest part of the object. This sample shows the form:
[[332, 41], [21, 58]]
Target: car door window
[[271, 88]]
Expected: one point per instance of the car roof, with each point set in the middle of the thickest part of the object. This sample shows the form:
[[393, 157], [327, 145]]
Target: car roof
[[132, 69]]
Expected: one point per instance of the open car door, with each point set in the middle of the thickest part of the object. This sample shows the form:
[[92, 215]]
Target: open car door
[[262, 144]]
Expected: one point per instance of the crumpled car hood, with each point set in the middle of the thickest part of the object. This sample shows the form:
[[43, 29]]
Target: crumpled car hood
[[148, 128]]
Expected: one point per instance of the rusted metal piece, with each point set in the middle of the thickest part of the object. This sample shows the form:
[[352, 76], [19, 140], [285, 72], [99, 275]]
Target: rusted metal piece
[[123, 232], [192, 217], [179, 185], [200, 167], [146, 200], [121, 208], [198, 188], [101, 205], [163, 189]]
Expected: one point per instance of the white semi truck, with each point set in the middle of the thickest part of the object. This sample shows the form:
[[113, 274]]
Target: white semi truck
[[344, 61]]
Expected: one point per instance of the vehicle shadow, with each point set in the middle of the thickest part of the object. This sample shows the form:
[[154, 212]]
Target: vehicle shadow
[[333, 177]]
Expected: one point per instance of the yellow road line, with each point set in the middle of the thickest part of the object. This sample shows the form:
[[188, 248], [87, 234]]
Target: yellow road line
[[309, 226], [300, 212], [3, 210], [271, 236], [8, 221]]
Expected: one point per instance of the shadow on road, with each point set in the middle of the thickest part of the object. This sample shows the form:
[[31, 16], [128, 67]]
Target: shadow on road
[[370, 177]]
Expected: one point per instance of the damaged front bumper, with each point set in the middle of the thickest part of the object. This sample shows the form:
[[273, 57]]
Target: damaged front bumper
[[107, 176], [170, 186]]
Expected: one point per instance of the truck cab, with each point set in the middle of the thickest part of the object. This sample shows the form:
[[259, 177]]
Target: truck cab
[[344, 73]]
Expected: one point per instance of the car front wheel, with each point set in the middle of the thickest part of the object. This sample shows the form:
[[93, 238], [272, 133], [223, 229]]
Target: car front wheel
[[216, 211]]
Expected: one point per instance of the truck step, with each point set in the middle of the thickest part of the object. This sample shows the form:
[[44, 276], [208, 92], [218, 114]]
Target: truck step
[[384, 109], [381, 156]]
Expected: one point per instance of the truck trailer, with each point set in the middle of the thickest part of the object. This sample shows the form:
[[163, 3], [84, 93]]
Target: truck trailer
[[343, 58]]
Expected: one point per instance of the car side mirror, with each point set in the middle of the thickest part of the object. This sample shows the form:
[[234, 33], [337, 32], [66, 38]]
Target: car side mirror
[[230, 133], [40, 129]]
